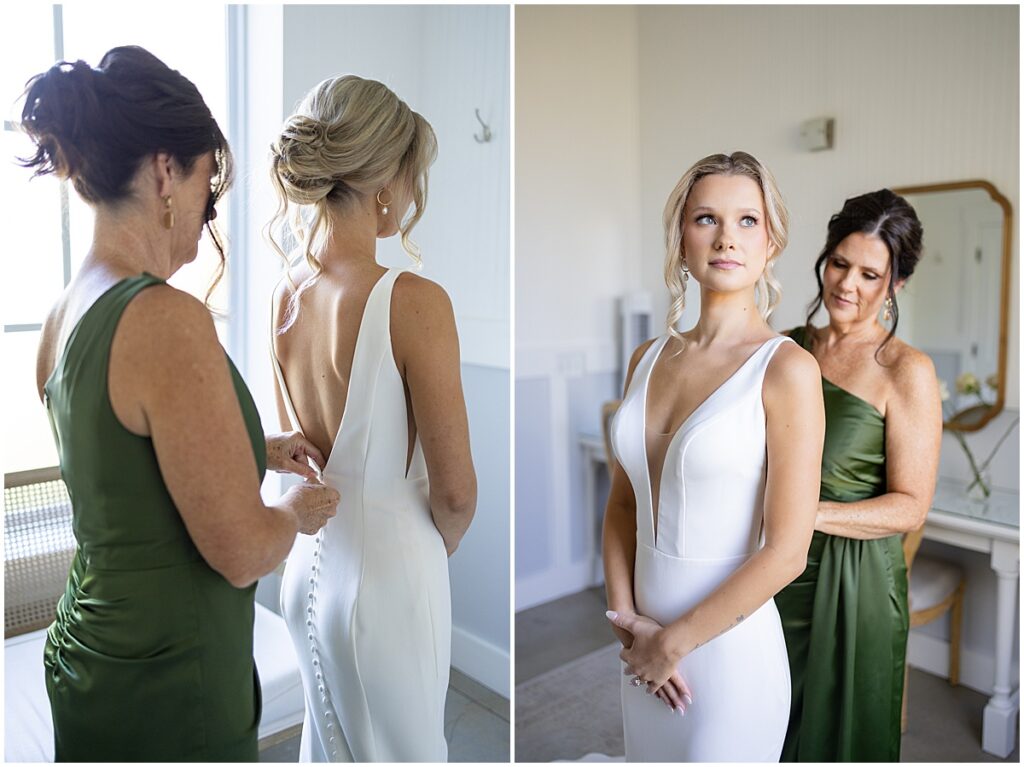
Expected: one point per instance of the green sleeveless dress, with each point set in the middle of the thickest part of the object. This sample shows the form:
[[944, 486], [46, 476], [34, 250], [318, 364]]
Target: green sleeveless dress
[[845, 618], [150, 655]]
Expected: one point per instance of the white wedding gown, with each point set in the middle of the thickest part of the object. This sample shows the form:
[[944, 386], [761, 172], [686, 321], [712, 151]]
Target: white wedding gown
[[367, 599], [710, 509]]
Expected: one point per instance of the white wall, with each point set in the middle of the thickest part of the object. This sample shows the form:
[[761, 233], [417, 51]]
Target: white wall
[[920, 94], [577, 248], [577, 171], [444, 61]]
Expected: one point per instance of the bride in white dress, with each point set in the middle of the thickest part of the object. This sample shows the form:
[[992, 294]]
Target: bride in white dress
[[367, 368], [718, 444]]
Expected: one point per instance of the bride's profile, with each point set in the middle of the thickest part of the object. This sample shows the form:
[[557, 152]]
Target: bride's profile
[[367, 368], [718, 445]]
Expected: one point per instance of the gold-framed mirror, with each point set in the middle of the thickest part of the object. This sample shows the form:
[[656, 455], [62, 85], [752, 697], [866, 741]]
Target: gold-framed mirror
[[956, 305]]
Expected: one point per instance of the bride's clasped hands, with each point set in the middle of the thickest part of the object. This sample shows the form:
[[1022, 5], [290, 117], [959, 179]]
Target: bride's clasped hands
[[652, 654]]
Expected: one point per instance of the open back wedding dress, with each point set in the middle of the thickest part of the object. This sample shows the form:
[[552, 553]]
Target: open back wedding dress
[[367, 599]]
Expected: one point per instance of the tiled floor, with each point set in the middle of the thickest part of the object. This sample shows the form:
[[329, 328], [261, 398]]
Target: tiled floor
[[476, 725], [944, 721]]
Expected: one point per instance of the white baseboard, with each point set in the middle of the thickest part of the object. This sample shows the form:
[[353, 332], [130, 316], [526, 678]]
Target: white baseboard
[[479, 659], [930, 654], [556, 582]]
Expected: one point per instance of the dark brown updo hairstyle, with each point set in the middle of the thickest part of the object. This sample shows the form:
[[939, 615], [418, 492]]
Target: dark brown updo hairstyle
[[96, 126], [883, 214]]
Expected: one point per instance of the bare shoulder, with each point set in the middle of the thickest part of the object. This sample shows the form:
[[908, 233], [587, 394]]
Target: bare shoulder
[[167, 323], [911, 372], [639, 353], [46, 352], [420, 310], [418, 294], [792, 372]]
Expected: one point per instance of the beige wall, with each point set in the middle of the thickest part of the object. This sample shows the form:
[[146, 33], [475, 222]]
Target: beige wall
[[577, 170]]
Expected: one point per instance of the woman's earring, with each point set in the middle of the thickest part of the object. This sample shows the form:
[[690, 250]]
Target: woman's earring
[[168, 213], [887, 316], [383, 205], [686, 274]]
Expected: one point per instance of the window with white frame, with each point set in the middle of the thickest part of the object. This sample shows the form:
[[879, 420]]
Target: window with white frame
[[49, 229]]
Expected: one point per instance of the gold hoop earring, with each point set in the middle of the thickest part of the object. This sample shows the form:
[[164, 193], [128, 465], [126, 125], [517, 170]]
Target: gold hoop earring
[[887, 316], [168, 213], [384, 205]]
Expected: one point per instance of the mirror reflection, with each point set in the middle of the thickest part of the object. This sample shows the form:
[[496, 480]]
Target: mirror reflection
[[954, 308]]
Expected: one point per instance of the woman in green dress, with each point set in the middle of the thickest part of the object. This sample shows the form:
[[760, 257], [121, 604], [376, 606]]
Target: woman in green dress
[[846, 617], [160, 443]]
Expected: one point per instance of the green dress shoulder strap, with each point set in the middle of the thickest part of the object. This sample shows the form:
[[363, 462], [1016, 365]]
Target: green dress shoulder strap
[[853, 459]]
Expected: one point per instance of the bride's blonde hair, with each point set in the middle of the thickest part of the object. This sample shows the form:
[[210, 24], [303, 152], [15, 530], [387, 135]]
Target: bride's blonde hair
[[768, 289], [350, 137]]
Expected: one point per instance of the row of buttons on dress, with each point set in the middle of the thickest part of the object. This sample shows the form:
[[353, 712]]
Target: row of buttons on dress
[[315, 652]]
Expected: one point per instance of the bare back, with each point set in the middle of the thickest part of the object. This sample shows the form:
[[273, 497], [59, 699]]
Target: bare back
[[317, 351]]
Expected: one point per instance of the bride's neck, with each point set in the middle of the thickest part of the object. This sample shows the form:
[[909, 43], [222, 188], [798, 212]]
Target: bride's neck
[[726, 316], [353, 240]]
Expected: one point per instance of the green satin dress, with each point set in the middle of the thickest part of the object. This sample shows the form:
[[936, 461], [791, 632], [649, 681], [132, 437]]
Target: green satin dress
[[845, 618], [150, 655]]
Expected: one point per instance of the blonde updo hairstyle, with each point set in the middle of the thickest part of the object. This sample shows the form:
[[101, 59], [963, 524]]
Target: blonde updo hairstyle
[[349, 138], [768, 289]]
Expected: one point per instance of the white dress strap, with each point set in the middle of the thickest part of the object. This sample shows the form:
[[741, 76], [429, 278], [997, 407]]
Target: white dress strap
[[288, 406], [638, 395]]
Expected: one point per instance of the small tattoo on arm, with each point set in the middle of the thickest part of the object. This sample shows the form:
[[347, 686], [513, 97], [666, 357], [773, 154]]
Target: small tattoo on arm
[[739, 619]]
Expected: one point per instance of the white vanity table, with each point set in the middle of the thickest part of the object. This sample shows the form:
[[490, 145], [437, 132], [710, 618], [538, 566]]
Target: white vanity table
[[991, 527]]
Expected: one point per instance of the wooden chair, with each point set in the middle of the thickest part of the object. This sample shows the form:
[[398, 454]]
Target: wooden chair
[[935, 588]]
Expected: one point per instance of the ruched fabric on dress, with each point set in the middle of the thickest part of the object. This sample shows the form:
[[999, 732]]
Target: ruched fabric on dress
[[846, 617]]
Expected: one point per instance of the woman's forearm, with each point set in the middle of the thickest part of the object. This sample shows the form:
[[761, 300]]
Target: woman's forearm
[[756, 581], [452, 514], [872, 518], [267, 543], [619, 556]]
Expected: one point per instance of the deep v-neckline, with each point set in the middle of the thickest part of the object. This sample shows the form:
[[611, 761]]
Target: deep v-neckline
[[674, 435], [293, 414]]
